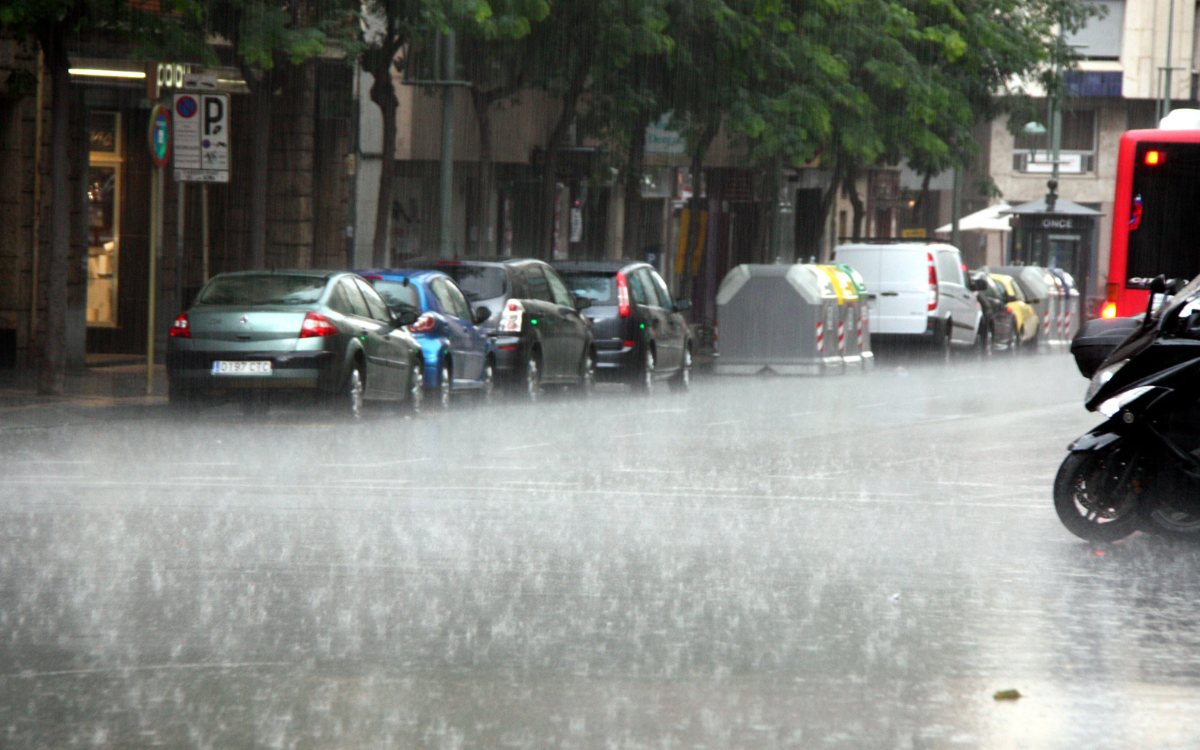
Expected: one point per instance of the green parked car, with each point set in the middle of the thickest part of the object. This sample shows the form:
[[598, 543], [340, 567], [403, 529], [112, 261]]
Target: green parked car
[[253, 335]]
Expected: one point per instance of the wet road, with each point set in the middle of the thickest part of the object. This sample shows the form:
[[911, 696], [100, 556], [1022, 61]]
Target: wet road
[[764, 563]]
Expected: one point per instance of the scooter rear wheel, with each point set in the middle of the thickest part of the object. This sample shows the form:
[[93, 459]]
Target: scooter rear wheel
[[1093, 495]]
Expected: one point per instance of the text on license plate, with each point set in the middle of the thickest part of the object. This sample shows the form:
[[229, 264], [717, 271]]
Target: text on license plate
[[222, 367]]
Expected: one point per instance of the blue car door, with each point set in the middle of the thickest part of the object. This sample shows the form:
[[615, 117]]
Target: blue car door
[[465, 361]]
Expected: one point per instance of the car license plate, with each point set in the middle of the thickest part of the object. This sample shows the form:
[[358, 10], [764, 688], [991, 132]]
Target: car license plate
[[222, 367]]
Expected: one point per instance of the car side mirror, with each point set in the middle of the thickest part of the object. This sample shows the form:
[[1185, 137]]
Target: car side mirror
[[404, 318], [481, 315], [582, 303], [1158, 285], [977, 285], [683, 304]]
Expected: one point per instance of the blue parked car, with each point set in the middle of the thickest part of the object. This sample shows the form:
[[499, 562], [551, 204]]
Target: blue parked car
[[459, 355]]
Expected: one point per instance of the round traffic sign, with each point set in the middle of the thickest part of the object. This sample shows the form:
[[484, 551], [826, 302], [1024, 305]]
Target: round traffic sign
[[160, 135], [186, 106]]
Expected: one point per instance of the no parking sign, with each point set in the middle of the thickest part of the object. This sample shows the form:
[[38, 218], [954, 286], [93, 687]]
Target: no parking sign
[[201, 137]]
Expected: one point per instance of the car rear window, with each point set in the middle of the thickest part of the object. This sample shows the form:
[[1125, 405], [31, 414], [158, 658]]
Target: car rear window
[[599, 287], [478, 282], [262, 289], [400, 297]]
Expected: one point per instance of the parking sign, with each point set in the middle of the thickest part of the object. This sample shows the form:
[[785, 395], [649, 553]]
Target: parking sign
[[201, 123]]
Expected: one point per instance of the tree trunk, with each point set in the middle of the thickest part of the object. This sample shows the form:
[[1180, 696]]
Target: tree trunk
[[486, 172], [633, 187], [260, 150], [52, 370], [828, 198], [384, 95], [694, 205], [850, 185], [926, 216], [558, 137]]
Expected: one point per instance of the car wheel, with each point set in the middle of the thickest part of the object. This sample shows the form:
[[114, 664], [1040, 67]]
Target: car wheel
[[416, 387], [681, 382], [587, 374], [533, 377], [444, 385], [645, 375], [488, 382], [350, 400]]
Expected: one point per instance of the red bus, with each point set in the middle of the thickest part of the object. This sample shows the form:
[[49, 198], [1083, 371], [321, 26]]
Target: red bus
[[1156, 216]]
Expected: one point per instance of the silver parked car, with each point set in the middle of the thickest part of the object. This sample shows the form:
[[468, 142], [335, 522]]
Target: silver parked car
[[251, 335]]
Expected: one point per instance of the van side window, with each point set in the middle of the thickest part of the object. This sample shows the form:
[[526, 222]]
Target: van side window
[[949, 267]]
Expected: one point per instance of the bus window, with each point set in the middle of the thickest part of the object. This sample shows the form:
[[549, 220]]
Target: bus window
[[1164, 222]]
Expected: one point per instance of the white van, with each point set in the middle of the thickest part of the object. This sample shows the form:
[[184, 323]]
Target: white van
[[917, 290]]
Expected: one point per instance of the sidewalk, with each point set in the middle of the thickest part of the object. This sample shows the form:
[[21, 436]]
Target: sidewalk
[[107, 383]]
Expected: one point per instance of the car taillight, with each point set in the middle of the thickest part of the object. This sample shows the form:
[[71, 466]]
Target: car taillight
[[1109, 311], [622, 295], [933, 284], [180, 328], [316, 324], [510, 319], [423, 324]]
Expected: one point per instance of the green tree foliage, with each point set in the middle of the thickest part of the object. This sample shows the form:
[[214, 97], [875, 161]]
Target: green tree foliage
[[268, 38]]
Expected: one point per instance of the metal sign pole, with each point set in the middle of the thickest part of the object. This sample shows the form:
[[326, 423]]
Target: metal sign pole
[[160, 154], [156, 189]]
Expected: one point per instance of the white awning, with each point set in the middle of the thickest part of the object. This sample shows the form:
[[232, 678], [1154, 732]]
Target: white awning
[[987, 220]]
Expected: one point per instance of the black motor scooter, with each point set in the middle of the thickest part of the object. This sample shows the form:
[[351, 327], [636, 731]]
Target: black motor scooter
[[1140, 469]]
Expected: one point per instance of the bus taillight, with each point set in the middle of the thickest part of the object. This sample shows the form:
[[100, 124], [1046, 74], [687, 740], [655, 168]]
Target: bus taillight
[[1111, 292]]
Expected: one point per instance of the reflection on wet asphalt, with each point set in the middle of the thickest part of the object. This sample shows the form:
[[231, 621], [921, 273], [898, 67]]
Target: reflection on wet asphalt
[[853, 562]]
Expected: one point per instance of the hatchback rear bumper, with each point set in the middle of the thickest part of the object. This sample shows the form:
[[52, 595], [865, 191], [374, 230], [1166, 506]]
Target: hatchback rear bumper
[[615, 360]]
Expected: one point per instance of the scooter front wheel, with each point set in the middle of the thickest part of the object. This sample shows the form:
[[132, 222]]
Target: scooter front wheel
[[1094, 495]]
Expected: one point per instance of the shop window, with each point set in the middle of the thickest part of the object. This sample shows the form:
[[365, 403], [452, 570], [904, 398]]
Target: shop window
[[104, 217], [1077, 149]]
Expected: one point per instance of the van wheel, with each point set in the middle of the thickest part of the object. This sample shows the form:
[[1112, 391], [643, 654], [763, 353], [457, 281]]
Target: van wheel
[[941, 351]]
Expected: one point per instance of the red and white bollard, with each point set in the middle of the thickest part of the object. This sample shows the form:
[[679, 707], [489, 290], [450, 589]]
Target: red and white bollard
[[1046, 324], [859, 326], [841, 338], [820, 337]]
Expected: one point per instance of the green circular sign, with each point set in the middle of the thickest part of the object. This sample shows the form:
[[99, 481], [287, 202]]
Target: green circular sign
[[160, 135]]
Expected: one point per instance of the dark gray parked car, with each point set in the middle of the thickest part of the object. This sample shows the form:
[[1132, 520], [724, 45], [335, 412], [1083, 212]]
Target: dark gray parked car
[[251, 335], [641, 336]]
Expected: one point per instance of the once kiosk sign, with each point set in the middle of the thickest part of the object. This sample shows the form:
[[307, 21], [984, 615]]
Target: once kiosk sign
[[201, 137], [1058, 223]]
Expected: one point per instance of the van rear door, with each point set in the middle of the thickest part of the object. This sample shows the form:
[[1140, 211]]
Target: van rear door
[[865, 260], [903, 291]]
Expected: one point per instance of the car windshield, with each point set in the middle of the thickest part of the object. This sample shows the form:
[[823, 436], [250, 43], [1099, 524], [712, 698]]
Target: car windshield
[[399, 296], [262, 289], [478, 282], [596, 286]]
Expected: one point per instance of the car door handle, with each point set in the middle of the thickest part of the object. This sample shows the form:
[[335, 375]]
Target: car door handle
[[889, 294]]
